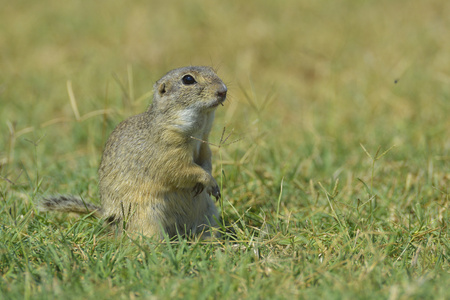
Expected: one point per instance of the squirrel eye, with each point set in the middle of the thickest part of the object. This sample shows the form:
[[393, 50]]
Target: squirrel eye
[[188, 80]]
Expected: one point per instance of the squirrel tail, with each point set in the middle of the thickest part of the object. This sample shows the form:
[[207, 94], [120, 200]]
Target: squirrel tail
[[69, 204]]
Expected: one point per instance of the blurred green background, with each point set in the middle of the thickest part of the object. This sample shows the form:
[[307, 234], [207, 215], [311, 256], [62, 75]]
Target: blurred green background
[[309, 83], [308, 80]]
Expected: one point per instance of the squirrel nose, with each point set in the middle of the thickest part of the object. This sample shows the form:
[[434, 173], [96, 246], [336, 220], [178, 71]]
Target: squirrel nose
[[222, 93]]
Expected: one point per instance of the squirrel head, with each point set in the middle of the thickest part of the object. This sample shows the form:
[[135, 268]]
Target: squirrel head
[[193, 88]]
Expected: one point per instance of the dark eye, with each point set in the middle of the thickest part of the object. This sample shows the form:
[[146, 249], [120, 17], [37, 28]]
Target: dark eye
[[188, 79]]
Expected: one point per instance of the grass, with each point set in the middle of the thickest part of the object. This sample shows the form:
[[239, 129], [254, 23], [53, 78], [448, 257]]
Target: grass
[[337, 186]]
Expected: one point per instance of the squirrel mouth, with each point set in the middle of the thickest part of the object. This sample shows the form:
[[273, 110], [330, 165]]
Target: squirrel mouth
[[220, 103], [220, 96], [215, 103]]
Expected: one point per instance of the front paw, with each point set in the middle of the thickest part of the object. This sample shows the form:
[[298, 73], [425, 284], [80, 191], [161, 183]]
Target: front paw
[[211, 186]]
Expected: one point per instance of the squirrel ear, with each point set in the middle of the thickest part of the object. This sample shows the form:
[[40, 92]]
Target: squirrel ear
[[162, 88]]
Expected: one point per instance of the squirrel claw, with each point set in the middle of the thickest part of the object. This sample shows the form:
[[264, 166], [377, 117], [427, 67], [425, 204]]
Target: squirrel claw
[[215, 193], [211, 190], [198, 188]]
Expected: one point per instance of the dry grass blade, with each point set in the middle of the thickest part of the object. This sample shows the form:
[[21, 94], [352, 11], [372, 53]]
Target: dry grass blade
[[73, 101]]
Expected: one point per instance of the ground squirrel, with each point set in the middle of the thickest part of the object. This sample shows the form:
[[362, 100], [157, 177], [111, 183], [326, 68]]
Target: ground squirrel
[[155, 172]]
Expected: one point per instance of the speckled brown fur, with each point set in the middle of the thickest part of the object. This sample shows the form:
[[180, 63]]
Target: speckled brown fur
[[155, 172]]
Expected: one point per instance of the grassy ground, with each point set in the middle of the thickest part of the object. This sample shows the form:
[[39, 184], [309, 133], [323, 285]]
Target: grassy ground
[[337, 189]]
